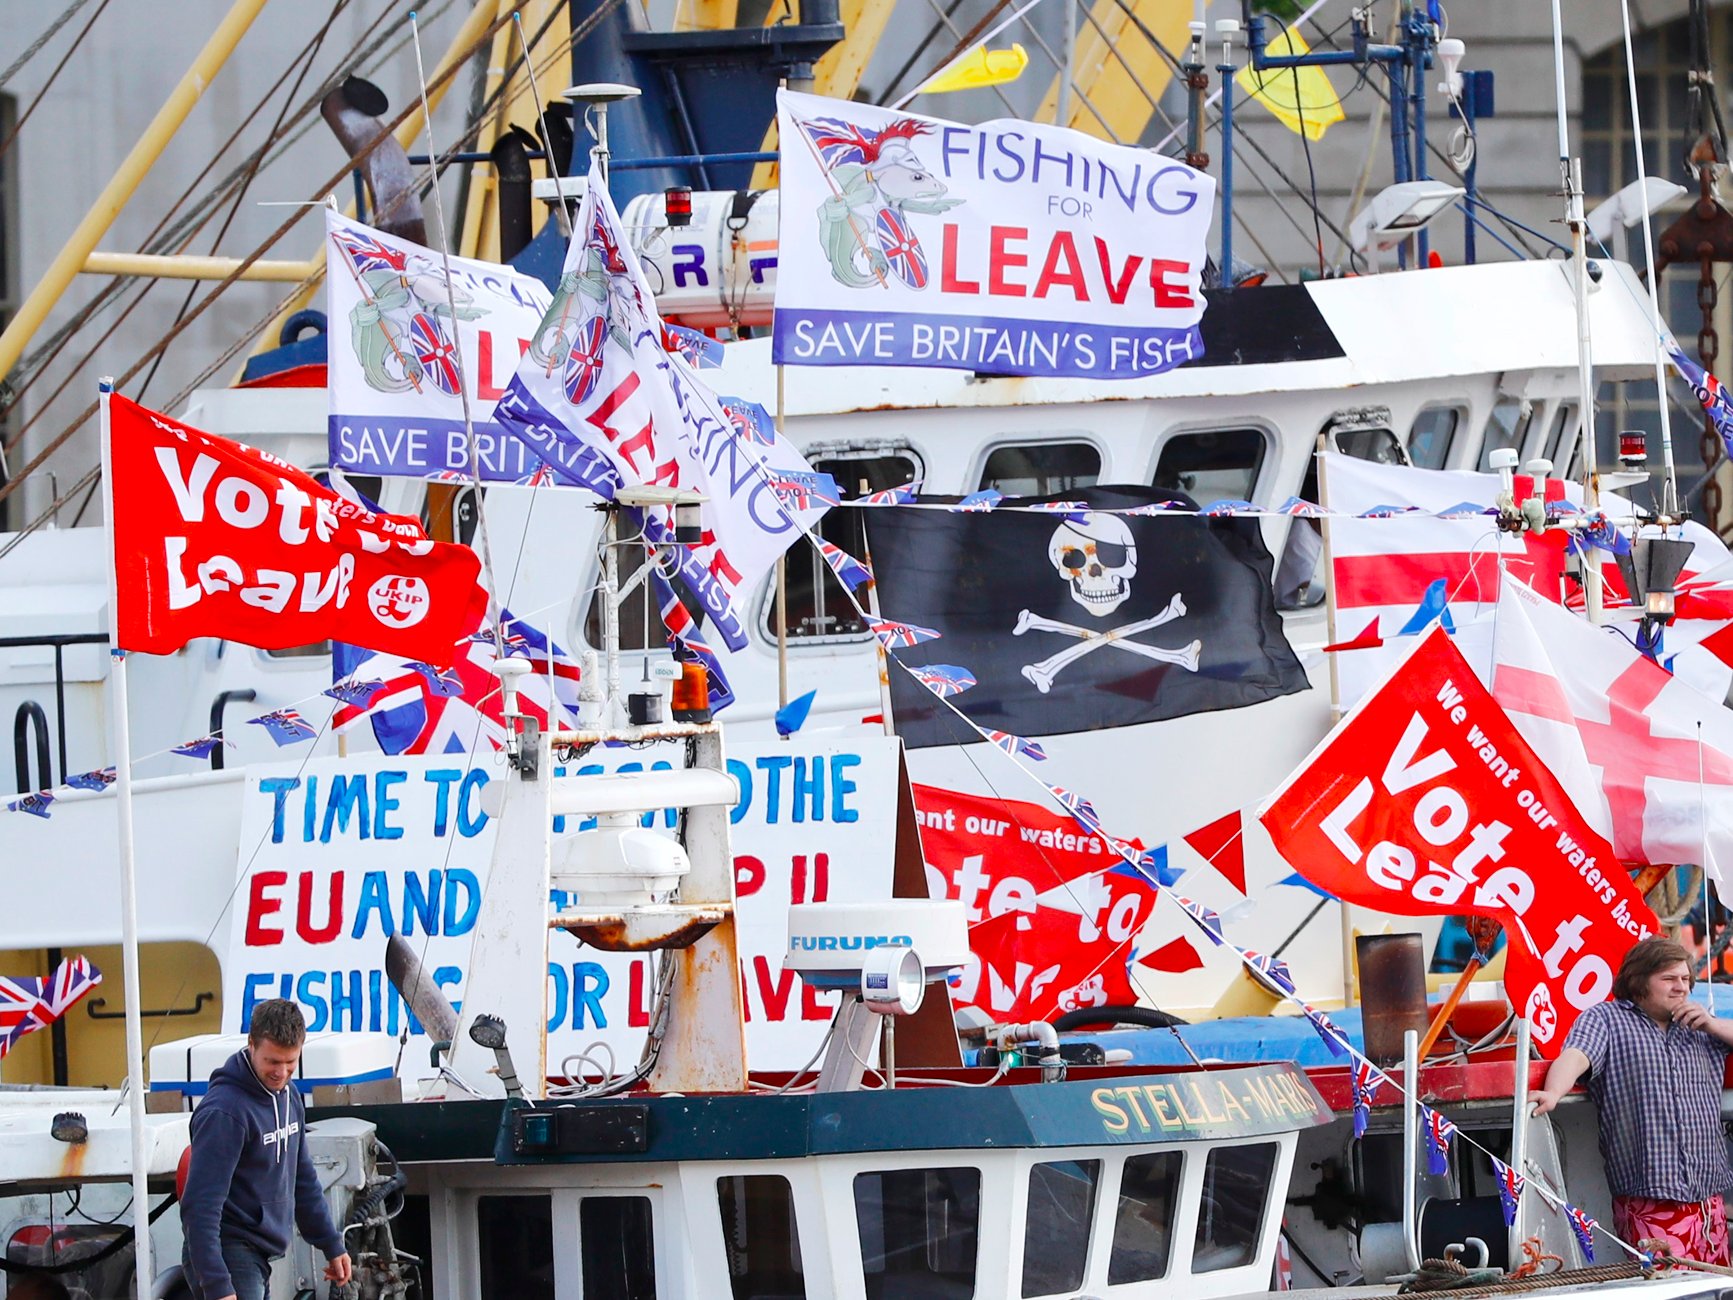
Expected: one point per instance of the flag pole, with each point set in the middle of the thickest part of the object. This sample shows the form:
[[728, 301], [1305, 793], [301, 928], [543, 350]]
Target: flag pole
[[1347, 915], [782, 579], [122, 743]]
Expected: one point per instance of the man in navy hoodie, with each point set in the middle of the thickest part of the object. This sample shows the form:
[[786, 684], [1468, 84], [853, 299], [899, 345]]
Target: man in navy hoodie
[[250, 1180]]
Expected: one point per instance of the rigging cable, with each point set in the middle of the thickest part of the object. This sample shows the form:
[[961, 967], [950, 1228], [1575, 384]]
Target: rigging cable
[[53, 27], [54, 76]]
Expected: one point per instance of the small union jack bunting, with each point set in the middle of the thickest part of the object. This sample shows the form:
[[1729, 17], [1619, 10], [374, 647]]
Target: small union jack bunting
[[1328, 1030], [1438, 1132], [1016, 746], [944, 680], [849, 571], [1058, 507], [1368, 1078], [897, 496], [1157, 508], [356, 694], [100, 779], [892, 634], [1205, 917], [513, 641], [35, 804], [1273, 969], [1080, 808], [27, 1003], [540, 476], [985, 499], [700, 351], [1510, 1185], [1386, 512], [1301, 508], [1467, 510], [200, 748], [285, 726], [1228, 507], [443, 682], [1584, 1227]]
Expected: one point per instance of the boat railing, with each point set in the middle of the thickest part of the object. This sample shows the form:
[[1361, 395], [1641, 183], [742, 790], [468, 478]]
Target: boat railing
[[30, 721]]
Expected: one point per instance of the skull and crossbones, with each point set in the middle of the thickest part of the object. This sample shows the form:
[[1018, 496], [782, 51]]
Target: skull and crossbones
[[1096, 555]]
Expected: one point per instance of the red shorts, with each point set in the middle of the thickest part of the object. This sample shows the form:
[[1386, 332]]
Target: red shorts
[[1691, 1230]]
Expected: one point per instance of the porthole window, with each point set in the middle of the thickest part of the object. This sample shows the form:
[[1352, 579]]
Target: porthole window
[[1041, 469], [1211, 464]]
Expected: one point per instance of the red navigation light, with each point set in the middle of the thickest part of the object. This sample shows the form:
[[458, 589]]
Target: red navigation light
[[1633, 446], [677, 203]]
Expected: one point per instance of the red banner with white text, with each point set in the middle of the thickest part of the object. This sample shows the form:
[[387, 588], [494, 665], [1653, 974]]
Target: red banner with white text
[[216, 539], [1052, 909], [1425, 800]]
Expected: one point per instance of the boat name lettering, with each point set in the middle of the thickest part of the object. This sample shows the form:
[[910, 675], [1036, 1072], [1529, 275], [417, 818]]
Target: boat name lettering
[[1252, 1102]]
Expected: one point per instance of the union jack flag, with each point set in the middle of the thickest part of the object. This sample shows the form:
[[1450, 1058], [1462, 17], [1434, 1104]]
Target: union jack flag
[[902, 249], [892, 635], [1080, 808], [540, 476], [986, 499], [584, 362], [1155, 508], [800, 490], [1302, 508], [944, 680], [1274, 969], [1711, 393], [1228, 507], [200, 748], [1510, 1185], [1058, 507], [357, 694], [1368, 1078], [1016, 745], [700, 351], [368, 253], [1204, 916], [841, 142], [601, 239], [1467, 510], [1328, 1030], [750, 420], [443, 682], [512, 640], [36, 804], [849, 571], [1438, 1131], [28, 1003], [1603, 533], [100, 779], [411, 715], [1584, 1227], [897, 496], [687, 641], [436, 352], [285, 726]]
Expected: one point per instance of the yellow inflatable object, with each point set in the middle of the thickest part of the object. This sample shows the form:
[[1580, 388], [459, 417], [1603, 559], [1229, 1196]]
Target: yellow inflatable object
[[980, 67], [1302, 99]]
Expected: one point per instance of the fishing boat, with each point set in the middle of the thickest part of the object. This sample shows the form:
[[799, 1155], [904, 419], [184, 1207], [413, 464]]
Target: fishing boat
[[1285, 367]]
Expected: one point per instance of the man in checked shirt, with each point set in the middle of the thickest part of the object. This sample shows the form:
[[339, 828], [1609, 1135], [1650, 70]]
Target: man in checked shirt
[[1655, 1061]]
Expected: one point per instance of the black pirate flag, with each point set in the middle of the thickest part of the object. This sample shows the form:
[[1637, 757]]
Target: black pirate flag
[[1082, 616]]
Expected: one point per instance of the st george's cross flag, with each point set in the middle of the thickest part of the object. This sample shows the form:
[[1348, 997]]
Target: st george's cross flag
[[216, 539]]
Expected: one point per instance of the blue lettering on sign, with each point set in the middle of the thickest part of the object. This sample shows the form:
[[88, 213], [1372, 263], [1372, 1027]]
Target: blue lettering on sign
[[806, 787], [471, 820], [689, 261], [760, 265], [841, 787], [848, 942], [461, 881], [278, 788], [581, 993], [441, 778], [743, 775], [348, 798], [384, 803]]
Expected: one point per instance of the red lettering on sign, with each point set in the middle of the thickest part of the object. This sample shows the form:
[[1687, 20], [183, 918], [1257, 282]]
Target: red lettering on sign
[[1117, 287], [1063, 248], [748, 876], [1168, 294], [260, 905], [1001, 259], [637, 1001], [949, 280], [304, 926], [485, 389]]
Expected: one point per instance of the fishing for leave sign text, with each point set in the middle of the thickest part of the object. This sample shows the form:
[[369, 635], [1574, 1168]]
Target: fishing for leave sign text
[[352, 851], [1425, 800], [1007, 248]]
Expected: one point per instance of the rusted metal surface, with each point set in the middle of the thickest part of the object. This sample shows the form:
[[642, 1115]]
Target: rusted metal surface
[[642, 930], [1392, 991], [352, 112]]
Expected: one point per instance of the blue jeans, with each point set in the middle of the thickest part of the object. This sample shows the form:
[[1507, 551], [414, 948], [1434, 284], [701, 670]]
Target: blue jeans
[[249, 1272]]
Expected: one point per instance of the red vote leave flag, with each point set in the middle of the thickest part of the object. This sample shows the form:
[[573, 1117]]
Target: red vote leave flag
[[216, 539], [1426, 800]]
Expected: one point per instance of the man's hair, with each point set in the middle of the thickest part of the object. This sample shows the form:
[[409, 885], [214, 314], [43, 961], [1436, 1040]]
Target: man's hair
[[38, 1286], [280, 1021], [1647, 957]]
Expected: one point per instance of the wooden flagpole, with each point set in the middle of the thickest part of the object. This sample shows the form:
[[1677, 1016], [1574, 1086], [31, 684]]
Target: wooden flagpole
[[143, 1273]]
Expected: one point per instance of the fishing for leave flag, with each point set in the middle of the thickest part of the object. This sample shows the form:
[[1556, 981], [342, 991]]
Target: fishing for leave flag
[[1085, 620], [606, 406], [1426, 800], [1010, 248], [216, 539], [396, 352]]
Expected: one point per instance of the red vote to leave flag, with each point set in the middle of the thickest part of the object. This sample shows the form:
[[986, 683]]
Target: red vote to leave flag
[[215, 539], [1426, 800]]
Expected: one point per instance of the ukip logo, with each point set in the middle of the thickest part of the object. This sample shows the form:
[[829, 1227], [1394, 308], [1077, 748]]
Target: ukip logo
[[876, 180]]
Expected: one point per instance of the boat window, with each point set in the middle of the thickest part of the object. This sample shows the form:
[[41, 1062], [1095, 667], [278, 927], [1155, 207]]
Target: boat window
[[1376, 445], [1507, 426], [617, 1247], [817, 604], [1560, 435], [515, 1239], [758, 1232], [1039, 469], [1431, 434], [1143, 1224], [1230, 1214], [1056, 1231], [1211, 465], [918, 1232]]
